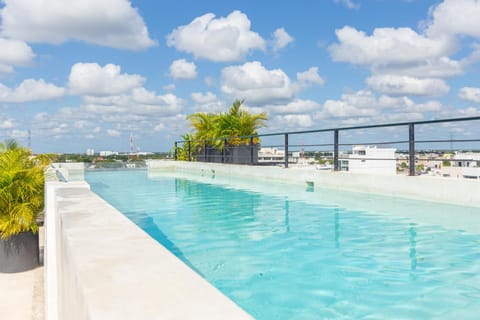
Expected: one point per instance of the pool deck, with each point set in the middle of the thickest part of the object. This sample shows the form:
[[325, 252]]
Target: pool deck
[[22, 293]]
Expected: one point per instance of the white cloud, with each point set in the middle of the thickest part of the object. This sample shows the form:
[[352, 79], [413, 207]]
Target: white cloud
[[14, 53], [170, 87], [405, 85], [19, 134], [293, 121], [221, 40], [281, 39], [452, 17], [30, 90], [138, 105], [159, 127], [92, 79], [207, 102], [209, 81], [113, 23], [310, 77], [201, 98], [296, 106], [182, 69], [6, 124], [257, 84], [442, 67], [349, 4], [470, 94], [364, 107], [388, 46], [113, 133]]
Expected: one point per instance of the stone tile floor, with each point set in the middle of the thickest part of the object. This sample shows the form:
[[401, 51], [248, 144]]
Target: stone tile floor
[[22, 293]]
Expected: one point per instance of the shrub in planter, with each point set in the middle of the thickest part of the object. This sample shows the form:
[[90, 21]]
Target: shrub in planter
[[227, 132], [21, 201]]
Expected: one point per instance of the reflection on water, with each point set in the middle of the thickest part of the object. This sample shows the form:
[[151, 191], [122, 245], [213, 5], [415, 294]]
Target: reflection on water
[[413, 247]]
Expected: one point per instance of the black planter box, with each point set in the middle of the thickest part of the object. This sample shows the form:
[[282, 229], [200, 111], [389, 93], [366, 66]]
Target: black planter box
[[19, 253], [233, 154]]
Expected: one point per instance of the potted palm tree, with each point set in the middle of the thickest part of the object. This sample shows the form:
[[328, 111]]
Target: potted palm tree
[[227, 132], [21, 201]]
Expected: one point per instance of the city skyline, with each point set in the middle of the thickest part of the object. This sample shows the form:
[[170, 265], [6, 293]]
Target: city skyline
[[90, 74]]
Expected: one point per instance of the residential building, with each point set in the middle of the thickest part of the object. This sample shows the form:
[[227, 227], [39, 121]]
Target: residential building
[[370, 159]]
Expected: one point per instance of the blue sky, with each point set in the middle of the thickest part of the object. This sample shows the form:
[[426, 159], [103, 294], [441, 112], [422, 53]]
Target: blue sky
[[88, 74]]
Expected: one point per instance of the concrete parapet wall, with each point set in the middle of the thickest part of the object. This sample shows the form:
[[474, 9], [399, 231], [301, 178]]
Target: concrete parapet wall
[[100, 265], [452, 191]]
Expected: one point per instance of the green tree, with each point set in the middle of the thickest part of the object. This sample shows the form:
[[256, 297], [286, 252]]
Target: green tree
[[21, 189], [236, 125]]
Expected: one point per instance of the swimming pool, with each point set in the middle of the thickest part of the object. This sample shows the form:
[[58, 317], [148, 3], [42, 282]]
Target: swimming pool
[[293, 254]]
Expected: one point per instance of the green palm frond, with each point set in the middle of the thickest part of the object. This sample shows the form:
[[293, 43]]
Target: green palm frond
[[21, 189]]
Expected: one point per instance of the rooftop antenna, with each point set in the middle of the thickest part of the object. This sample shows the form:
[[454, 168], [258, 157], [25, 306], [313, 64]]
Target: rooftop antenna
[[131, 146], [29, 139], [451, 141]]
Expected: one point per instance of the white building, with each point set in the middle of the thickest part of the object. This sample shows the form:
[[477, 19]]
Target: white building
[[90, 152], [466, 159], [108, 153], [367, 159], [271, 155]]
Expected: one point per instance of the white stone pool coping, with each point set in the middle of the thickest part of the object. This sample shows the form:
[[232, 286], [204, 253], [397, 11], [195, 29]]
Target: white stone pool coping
[[100, 265], [464, 192]]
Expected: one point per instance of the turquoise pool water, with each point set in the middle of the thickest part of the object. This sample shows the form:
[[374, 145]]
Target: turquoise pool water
[[302, 255]]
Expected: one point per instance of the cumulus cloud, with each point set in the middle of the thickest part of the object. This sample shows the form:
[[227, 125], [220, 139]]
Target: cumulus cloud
[[281, 39], [387, 46], [253, 81], [221, 40], [310, 77], [92, 79], [348, 3], [470, 94], [365, 107], [294, 107], [454, 17], [293, 121], [403, 61], [442, 67], [405, 85], [207, 102], [182, 69], [140, 102], [6, 123], [14, 53], [113, 23], [30, 90], [201, 98], [113, 133]]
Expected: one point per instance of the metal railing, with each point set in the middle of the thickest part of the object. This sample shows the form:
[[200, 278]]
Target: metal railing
[[224, 155]]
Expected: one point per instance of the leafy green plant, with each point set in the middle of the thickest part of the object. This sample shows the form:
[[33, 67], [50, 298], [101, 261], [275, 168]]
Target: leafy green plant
[[21, 189], [236, 126]]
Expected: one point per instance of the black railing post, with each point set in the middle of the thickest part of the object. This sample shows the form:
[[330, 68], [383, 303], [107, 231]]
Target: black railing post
[[411, 149], [251, 150], [224, 150], [336, 163], [189, 155], [175, 151], [205, 151], [286, 150]]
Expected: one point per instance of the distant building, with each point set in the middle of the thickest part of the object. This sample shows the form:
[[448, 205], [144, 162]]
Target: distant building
[[367, 159], [271, 155], [90, 152], [108, 153], [466, 159]]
